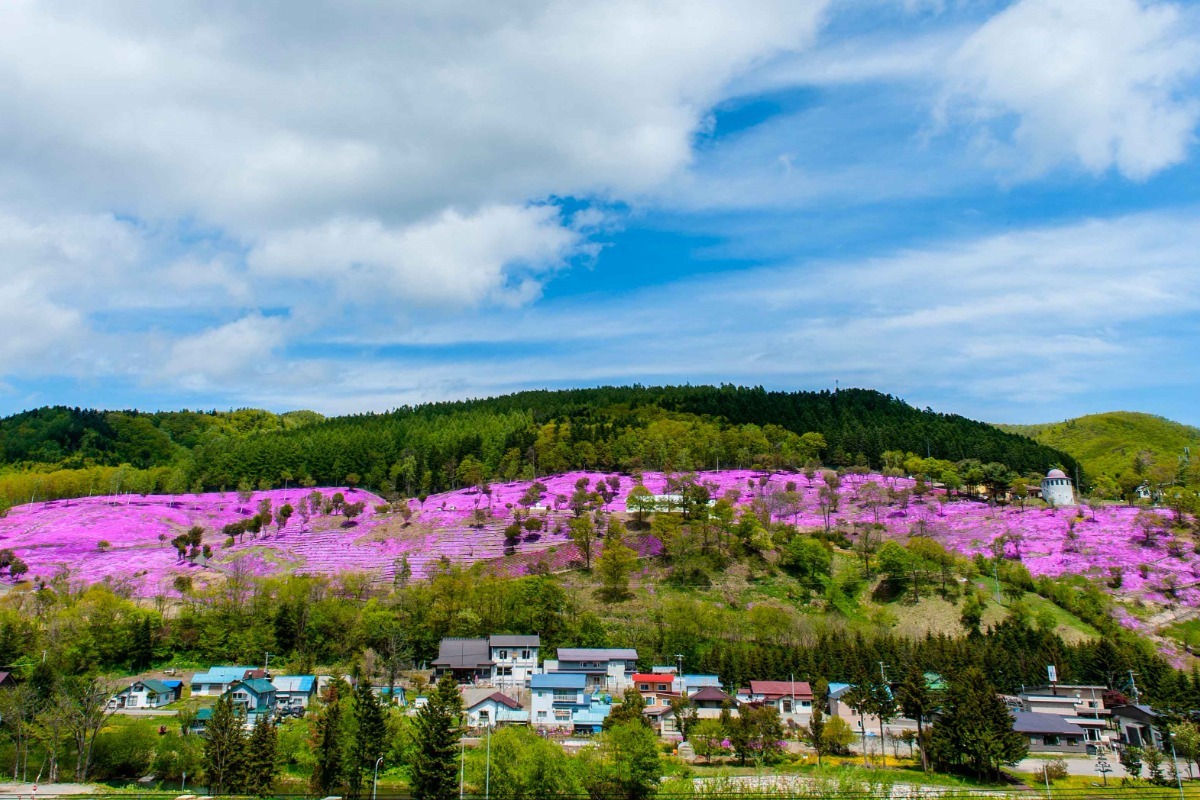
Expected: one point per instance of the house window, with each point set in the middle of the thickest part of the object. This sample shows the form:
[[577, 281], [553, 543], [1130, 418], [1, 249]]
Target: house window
[[787, 706], [483, 716], [643, 687], [562, 715], [503, 655], [541, 715], [564, 696], [1050, 740], [662, 687], [525, 655], [503, 671]]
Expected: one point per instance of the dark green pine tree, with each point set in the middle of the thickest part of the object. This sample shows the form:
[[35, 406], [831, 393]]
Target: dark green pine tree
[[224, 745], [141, 650], [328, 746], [975, 730], [917, 702], [261, 760], [433, 770], [370, 737]]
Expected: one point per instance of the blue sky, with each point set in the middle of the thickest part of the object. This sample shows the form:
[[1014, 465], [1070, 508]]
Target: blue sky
[[989, 208]]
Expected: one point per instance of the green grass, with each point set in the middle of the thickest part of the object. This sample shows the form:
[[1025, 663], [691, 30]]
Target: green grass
[[1105, 444], [1186, 633]]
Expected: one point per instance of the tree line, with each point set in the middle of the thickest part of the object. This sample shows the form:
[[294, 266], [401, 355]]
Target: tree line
[[61, 452]]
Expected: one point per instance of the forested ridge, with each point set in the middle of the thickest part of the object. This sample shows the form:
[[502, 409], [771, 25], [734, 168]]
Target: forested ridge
[[417, 449]]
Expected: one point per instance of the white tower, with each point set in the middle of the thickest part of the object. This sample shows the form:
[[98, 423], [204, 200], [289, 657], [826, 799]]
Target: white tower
[[1057, 489]]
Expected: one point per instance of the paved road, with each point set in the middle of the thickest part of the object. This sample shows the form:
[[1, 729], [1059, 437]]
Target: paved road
[[148, 712], [1077, 765]]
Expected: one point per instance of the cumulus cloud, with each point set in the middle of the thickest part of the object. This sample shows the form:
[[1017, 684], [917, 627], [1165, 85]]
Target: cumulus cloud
[[236, 351], [496, 253], [1095, 84]]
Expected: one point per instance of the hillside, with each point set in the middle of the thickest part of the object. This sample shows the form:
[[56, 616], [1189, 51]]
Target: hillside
[[435, 447], [96, 539], [1106, 444]]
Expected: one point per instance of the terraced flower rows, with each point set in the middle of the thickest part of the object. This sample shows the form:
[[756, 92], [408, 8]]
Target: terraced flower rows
[[66, 535]]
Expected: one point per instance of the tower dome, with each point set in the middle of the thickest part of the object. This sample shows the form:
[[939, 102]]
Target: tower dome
[[1057, 489]]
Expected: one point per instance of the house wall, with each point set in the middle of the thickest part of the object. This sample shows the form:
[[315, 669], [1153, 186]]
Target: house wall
[[1060, 744]]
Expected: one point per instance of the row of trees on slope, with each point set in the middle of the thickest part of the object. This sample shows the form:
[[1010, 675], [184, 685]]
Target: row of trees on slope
[[423, 449]]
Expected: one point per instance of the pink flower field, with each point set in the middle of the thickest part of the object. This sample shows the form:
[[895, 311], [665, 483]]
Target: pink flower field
[[64, 535]]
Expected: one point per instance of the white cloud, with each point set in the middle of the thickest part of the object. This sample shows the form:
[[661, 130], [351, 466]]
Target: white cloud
[[1028, 319], [237, 351], [1099, 84], [452, 260]]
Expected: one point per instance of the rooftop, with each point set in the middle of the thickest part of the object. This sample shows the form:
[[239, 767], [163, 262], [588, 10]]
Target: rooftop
[[596, 654], [511, 640], [558, 680], [463, 654], [1032, 722]]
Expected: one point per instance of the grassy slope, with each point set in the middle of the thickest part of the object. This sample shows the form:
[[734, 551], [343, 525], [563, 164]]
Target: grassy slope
[[1106, 443]]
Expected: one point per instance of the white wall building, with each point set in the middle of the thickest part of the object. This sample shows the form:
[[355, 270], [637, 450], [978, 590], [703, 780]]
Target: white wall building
[[514, 659], [1057, 489]]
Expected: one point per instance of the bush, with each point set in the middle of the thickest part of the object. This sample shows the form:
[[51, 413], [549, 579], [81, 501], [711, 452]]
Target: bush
[[1052, 770], [127, 752]]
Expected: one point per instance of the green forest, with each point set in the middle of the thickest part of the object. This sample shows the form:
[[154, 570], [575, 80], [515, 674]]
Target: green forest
[[57, 452]]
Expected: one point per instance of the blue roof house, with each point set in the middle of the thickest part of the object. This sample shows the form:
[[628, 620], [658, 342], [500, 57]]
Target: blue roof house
[[561, 700]]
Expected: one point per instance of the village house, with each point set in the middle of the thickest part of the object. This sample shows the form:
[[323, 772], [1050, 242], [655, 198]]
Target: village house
[[7, 681], [1049, 733], [1080, 705], [709, 702], [1137, 725], [792, 699], [148, 693], [294, 692], [562, 701], [467, 660], [893, 728], [605, 669], [217, 680], [487, 708], [514, 659], [256, 695]]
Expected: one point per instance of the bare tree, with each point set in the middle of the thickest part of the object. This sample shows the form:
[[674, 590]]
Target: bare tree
[[86, 704]]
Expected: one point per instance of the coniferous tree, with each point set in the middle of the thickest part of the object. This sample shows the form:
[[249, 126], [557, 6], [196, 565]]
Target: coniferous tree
[[975, 730], [370, 735], [328, 747], [433, 770], [261, 762], [917, 702], [224, 744]]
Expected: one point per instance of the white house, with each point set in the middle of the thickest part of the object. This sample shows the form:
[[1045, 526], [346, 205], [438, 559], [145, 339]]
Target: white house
[[606, 669], [514, 659], [487, 708], [147, 693], [792, 699]]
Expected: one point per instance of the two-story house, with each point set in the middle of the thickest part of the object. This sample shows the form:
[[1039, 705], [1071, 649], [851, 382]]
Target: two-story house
[[606, 669], [514, 659], [468, 660], [792, 699], [217, 680], [562, 701], [294, 692], [1079, 705], [256, 695]]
